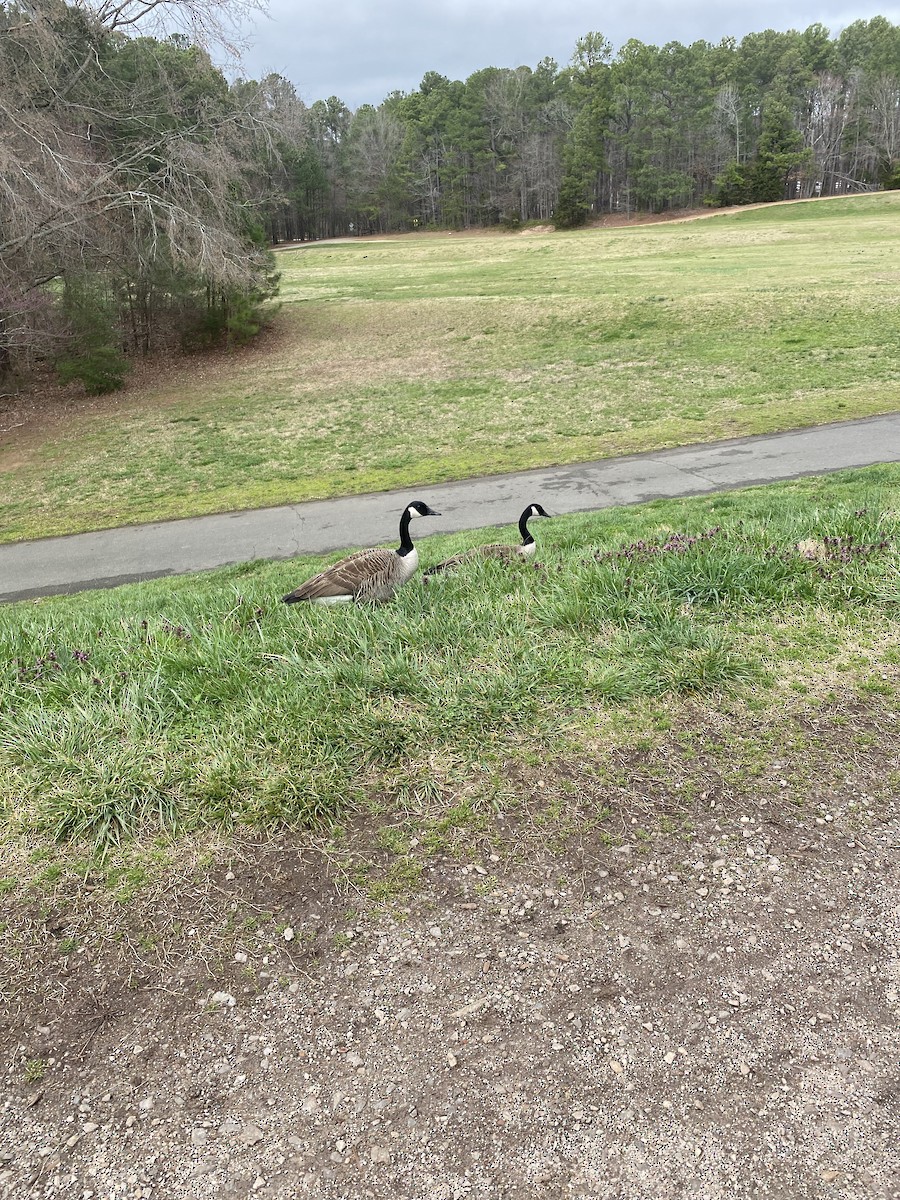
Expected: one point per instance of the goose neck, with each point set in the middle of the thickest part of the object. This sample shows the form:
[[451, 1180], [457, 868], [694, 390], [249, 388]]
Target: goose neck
[[406, 542], [527, 539]]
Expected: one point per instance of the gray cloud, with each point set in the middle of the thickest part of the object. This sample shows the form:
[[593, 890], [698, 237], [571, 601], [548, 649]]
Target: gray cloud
[[362, 52]]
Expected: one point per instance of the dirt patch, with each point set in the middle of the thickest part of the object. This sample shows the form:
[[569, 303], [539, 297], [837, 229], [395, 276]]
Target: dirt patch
[[613, 220], [667, 978], [45, 408], [620, 220]]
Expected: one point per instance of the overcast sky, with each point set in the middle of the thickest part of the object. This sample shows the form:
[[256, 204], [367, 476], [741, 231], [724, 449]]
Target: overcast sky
[[361, 51]]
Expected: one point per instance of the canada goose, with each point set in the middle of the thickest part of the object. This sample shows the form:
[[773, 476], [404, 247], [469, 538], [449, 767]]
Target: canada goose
[[368, 575], [496, 549]]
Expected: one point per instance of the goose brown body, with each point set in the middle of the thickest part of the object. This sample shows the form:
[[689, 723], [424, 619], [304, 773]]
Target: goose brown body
[[368, 576], [498, 550]]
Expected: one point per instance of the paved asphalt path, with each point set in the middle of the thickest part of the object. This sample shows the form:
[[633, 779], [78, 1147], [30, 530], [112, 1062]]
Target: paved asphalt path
[[114, 556]]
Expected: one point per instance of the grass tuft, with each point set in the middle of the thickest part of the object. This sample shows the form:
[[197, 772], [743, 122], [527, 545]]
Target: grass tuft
[[203, 701]]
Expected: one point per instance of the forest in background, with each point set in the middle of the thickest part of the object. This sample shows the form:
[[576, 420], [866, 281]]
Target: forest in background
[[772, 117], [140, 189]]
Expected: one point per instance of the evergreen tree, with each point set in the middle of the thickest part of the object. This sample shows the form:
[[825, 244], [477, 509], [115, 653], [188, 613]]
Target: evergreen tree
[[780, 153]]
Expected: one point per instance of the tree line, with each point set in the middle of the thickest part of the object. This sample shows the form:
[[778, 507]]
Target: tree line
[[140, 190], [774, 116]]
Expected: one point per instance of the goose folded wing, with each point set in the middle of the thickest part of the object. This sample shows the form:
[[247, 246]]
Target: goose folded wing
[[346, 577], [492, 550], [447, 565], [499, 550]]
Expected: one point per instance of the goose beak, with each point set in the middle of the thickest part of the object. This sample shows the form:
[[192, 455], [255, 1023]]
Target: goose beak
[[431, 513]]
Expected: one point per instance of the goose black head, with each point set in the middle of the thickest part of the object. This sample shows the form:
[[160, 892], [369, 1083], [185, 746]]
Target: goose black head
[[536, 510], [419, 508]]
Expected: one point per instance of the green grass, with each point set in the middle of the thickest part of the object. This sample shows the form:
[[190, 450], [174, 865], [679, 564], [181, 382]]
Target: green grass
[[425, 358], [35, 1070], [204, 702]]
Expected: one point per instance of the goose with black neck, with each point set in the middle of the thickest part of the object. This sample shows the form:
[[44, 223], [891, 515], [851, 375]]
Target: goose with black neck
[[368, 576], [505, 553]]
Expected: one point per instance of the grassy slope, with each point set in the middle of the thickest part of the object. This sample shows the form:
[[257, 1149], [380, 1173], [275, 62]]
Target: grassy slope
[[203, 701], [419, 359]]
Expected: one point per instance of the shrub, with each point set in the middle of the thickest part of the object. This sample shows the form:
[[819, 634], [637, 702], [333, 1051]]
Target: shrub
[[733, 186], [101, 370], [571, 207], [93, 355]]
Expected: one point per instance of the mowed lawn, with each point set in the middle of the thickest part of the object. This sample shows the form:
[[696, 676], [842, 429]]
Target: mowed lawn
[[409, 360]]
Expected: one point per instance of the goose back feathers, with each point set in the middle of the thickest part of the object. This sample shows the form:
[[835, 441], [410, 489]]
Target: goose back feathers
[[498, 550], [371, 576]]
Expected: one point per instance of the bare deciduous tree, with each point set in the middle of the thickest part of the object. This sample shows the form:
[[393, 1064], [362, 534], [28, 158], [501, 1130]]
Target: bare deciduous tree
[[128, 160], [728, 114], [882, 94], [206, 23]]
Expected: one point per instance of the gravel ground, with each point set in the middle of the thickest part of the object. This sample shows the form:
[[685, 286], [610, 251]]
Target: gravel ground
[[708, 1010]]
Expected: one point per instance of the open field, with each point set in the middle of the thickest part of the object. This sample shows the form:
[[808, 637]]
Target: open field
[[579, 882], [425, 358]]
